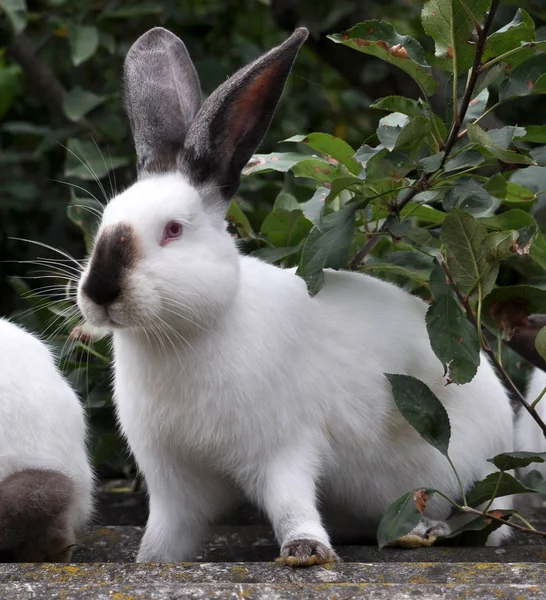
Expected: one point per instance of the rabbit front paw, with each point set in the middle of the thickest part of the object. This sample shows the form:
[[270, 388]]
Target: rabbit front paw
[[424, 534], [306, 553]]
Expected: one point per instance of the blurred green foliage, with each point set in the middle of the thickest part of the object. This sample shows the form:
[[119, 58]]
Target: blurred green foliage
[[65, 147]]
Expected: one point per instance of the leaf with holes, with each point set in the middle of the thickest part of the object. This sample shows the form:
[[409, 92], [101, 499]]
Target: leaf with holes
[[422, 410], [380, 39], [276, 161], [332, 146], [450, 25], [402, 516], [452, 337]]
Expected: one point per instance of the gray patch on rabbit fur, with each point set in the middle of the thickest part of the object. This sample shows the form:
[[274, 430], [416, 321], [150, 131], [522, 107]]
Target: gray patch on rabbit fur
[[33, 516]]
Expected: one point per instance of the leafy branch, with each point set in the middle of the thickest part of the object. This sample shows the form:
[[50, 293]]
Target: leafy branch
[[465, 302], [422, 183]]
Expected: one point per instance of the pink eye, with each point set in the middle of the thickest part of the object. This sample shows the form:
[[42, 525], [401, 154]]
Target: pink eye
[[172, 231]]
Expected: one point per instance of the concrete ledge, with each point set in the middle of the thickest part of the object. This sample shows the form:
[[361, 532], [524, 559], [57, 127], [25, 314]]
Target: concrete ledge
[[269, 581], [271, 573], [72, 591]]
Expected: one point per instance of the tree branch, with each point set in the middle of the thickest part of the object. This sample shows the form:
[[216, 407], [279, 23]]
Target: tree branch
[[487, 515], [456, 127], [487, 349], [474, 74]]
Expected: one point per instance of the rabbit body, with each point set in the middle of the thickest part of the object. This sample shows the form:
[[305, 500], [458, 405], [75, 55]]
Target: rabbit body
[[528, 436], [45, 477], [230, 379]]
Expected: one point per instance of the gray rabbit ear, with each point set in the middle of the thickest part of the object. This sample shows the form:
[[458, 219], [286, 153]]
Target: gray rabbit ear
[[234, 119], [162, 97]]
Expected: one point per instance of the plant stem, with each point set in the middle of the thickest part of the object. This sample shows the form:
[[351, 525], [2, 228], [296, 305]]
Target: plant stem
[[474, 74], [372, 242], [487, 515], [502, 57], [461, 487], [495, 491], [490, 109], [518, 516], [487, 349], [535, 402]]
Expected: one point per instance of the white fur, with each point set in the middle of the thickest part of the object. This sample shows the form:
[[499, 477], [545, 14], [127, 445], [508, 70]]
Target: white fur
[[255, 388], [41, 419], [528, 435]]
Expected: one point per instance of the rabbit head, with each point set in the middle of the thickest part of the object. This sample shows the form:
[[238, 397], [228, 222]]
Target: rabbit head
[[162, 253]]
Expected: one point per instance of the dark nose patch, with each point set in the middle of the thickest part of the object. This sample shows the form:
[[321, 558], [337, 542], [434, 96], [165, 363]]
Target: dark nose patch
[[114, 254]]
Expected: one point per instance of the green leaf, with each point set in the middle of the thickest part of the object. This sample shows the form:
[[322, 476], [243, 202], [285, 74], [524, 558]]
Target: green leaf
[[78, 102], [331, 146], [422, 410], [477, 106], [398, 130], [319, 169], [84, 160], [402, 516], [16, 12], [382, 40], [501, 244], [274, 255], [399, 104], [453, 338], [484, 489], [519, 219], [463, 160], [9, 86], [86, 214], [534, 481], [508, 192], [506, 307], [477, 135], [540, 343], [236, 217], [467, 194], [509, 37], [133, 10], [450, 26], [327, 246], [276, 161], [516, 460], [527, 78], [533, 133], [313, 209], [84, 41], [477, 531], [284, 228], [468, 260]]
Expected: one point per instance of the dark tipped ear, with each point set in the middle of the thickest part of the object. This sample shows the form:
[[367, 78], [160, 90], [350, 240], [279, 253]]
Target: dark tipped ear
[[30, 501], [162, 96], [234, 119]]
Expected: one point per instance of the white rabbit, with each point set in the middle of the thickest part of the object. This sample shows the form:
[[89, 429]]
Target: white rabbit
[[45, 478], [528, 435], [229, 378]]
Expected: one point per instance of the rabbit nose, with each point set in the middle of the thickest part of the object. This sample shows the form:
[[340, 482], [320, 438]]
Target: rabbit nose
[[102, 293]]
